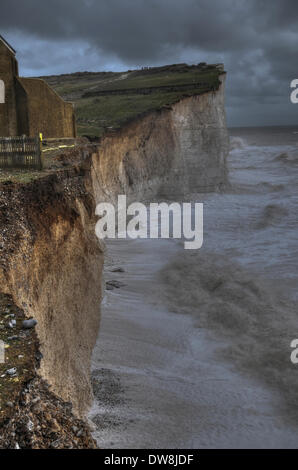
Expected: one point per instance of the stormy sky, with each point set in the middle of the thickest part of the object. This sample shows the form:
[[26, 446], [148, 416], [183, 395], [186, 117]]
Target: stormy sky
[[256, 39]]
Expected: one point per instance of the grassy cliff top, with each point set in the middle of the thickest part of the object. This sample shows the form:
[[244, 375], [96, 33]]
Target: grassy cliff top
[[105, 101]]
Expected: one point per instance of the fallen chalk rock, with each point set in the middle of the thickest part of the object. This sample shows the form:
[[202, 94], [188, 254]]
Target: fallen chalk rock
[[12, 324], [27, 324]]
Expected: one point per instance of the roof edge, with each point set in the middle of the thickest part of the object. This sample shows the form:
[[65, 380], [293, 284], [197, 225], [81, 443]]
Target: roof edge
[[8, 45]]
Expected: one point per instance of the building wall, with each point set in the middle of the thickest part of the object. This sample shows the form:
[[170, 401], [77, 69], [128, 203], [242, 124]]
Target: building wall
[[70, 127], [22, 107], [31, 106], [46, 111], [8, 71]]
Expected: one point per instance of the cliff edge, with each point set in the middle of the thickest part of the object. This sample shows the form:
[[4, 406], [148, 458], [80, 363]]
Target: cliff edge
[[51, 261]]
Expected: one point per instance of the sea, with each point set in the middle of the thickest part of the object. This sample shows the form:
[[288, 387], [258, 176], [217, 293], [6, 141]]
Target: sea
[[194, 349]]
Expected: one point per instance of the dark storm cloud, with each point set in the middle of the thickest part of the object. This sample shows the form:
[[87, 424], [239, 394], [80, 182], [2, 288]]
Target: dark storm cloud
[[133, 29], [257, 40]]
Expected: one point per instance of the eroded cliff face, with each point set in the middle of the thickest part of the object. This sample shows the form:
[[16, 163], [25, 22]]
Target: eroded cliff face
[[51, 261], [51, 265], [171, 152]]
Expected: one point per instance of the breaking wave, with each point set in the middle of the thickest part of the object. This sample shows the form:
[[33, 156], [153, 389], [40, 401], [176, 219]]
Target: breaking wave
[[237, 143], [249, 313], [272, 215], [259, 188], [290, 158], [271, 187]]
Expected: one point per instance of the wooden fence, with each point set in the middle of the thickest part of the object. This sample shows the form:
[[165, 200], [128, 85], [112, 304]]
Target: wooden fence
[[20, 152]]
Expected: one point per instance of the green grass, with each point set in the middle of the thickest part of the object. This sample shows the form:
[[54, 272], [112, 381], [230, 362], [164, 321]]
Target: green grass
[[20, 176], [172, 79], [96, 113], [27, 175]]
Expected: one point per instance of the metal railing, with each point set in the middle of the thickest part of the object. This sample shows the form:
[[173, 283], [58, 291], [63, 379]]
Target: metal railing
[[20, 152]]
